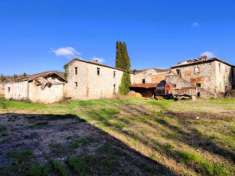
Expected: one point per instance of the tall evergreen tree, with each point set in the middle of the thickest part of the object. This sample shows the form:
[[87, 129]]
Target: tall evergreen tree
[[124, 87], [119, 63], [123, 62], [126, 58], [122, 57]]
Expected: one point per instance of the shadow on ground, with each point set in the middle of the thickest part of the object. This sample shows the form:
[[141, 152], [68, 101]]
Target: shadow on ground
[[66, 145]]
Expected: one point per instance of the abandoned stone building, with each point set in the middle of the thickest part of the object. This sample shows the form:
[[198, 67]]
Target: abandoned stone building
[[145, 81], [91, 80], [203, 77], [198, 77], [46, 87]]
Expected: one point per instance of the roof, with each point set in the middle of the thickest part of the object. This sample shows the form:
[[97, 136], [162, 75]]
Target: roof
[[200, 61], [44, 74], [145, 86], [159, 70], [94, 63]]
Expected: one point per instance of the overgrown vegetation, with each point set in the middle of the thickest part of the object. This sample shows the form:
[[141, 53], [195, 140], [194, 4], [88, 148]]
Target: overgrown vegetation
[[188, 138]]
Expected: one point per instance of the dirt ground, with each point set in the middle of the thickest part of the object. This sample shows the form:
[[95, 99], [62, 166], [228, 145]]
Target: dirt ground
[[27, 141]]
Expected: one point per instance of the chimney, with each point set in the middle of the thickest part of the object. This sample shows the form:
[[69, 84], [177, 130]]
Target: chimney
[[204, 58]]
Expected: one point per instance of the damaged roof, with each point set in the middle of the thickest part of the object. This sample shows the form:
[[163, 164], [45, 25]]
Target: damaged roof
[[200, 61], [44, 74]]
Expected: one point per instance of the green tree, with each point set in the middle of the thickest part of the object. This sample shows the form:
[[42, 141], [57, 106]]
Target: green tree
[[125, 56], [124, 87], [118, 55], [123, 62]]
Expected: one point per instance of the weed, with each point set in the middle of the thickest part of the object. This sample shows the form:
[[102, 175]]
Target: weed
[[81, 165], [38, 170], [57, 149], [80, 142], [3, 131], [204, 166], [21, 160], [59, 168]]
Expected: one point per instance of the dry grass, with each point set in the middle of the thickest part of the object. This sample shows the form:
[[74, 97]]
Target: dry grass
[[189, 138]]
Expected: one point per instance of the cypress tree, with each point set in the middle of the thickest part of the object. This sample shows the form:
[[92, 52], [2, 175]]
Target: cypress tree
[[123, 62], [118, 55], [125, 57], [125, 84]]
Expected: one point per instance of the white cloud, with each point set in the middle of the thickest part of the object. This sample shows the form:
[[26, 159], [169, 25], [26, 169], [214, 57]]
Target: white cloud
[[98, 59], [209, 54], [66, 51], [195, 24]]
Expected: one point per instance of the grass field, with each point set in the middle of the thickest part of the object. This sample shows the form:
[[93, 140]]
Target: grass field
[[184, 137]]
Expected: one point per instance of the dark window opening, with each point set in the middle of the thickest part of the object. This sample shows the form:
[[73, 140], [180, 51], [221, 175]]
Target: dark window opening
[[114, 74], [143, 81], [178, 72], [198, 85], [76, 84], [198, 94], [9, 89], [76, 70], [98, 71]]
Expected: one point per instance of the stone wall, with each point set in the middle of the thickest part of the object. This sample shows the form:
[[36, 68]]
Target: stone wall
[[36, 93], [2, 89], [223, 77], [16, 90], [202, 75], [87, 84], [149, 76], [213, 77], [48, 94], [233, 78]]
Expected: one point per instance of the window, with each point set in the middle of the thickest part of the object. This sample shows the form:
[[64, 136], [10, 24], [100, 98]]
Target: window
[[76, 70], [9, 89], [114, 89], [198, 85], [114, 74], [143, 81], [76, 84], [178, 72], [98, 71], [196, 70]]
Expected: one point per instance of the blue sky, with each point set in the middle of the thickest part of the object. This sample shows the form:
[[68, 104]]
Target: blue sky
[[38, 35]]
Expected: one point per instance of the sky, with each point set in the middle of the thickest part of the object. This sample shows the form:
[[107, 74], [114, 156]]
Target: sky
[[39, 35]]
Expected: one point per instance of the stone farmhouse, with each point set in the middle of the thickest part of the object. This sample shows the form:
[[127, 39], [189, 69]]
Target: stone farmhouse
[[200, 77], [207, 77], [46, 87], [82, 80], [92, 80]]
